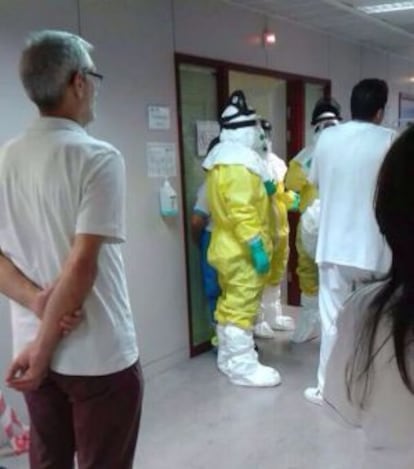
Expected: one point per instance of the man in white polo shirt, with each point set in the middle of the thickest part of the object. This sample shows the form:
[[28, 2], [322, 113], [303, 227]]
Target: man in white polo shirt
[[350, 248], [61, 223]]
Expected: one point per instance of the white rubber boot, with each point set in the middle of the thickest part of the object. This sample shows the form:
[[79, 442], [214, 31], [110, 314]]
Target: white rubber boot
[[243, 367], [308, 325], [272, 306]]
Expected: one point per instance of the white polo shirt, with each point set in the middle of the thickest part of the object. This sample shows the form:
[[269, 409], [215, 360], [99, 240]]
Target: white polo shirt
[[56, 181], [345, 165]]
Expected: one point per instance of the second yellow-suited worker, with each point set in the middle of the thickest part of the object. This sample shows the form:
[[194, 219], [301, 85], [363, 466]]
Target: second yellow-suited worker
[[271, 315], [241, 248], [326, 113]]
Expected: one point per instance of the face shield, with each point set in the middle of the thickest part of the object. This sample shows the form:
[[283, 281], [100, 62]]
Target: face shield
[[260, 142]]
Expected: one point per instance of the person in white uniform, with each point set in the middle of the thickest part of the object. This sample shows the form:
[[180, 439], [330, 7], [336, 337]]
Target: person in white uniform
[[350, 248], [370, 374]]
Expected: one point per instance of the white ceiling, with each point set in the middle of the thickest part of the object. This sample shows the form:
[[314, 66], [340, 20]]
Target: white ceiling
[[390, 31]]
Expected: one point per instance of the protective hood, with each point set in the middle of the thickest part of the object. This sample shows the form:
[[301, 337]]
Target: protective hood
[[236, 153]]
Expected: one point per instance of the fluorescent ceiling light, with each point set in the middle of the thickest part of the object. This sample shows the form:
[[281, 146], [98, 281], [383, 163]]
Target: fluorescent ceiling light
[[387, 7]]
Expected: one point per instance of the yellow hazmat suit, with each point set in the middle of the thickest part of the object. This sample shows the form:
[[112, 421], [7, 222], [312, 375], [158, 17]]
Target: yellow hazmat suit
[[296, 180], [240, 210], [241, 246]]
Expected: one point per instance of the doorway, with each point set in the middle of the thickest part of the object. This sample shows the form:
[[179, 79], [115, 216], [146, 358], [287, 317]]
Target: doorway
[[203, 86]]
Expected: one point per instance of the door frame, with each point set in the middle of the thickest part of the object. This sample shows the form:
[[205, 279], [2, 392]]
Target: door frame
[[295, 127]]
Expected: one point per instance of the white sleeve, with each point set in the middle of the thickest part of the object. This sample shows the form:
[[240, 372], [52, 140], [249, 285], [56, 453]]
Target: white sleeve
[[335, 393], [201, 204], [102, 203]]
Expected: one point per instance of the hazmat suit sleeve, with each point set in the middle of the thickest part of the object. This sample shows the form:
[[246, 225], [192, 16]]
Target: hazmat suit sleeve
[[295, 179], [281, 248], [241, 189], [289, 198]]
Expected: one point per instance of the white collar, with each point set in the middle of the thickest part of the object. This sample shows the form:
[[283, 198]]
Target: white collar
[[56, 123]]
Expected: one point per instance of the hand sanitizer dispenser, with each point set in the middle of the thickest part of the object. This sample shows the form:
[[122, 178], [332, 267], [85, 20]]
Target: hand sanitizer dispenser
[[168, 200]]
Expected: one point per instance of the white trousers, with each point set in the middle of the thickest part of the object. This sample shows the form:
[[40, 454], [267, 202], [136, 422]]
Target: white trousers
[[336, 283]]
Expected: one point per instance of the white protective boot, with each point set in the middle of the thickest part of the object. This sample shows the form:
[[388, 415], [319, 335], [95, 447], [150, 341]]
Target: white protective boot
[[261, 329], [308, 325], [222, 352], [243, 367], [313, 395], [272, 307]]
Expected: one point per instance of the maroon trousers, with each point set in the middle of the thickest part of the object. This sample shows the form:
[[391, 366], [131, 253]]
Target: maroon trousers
[[97, 417]]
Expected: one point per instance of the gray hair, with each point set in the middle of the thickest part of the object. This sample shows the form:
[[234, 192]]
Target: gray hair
[[47, 63]]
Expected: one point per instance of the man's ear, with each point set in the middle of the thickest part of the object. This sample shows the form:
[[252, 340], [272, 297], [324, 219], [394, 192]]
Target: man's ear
[[379, 116], [78, 83]]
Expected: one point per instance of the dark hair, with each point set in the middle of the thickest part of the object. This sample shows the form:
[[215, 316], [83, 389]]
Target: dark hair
[[394, 303], [368, 97]]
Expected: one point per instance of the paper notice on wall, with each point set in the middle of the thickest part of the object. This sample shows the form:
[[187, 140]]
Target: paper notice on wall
[[206, 131], [161, 160], [159, 118]]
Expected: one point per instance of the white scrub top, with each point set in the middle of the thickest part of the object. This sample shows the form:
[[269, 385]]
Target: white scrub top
[[345, 166], [201, 205], [388, 419]]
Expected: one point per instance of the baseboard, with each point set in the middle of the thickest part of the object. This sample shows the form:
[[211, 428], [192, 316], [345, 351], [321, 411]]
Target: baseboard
[[158, 366]]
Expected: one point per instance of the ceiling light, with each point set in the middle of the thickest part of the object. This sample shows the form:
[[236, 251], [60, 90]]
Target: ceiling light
[[269, 38], [387, 7]]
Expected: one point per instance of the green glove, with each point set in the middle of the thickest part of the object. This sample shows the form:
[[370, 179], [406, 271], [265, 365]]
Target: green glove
[[270, 187], [296, 202], [260, 259]]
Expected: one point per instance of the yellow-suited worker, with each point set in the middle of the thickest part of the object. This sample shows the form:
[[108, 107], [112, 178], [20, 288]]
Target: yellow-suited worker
[[241, 248], [271, 315]]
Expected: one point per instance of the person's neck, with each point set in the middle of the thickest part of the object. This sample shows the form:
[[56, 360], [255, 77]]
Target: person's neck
[[366, 121], [61, 114]]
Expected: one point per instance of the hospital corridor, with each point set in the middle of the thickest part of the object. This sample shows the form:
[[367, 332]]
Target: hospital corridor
[[206, 232]]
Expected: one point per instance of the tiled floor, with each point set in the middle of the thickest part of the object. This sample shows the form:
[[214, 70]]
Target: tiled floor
[[194, 419]]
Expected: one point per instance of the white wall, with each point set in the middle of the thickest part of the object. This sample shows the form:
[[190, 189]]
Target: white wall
[[135, 41], [298, 50]]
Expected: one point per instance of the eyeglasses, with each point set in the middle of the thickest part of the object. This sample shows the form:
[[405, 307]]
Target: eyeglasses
[[96, 76]]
